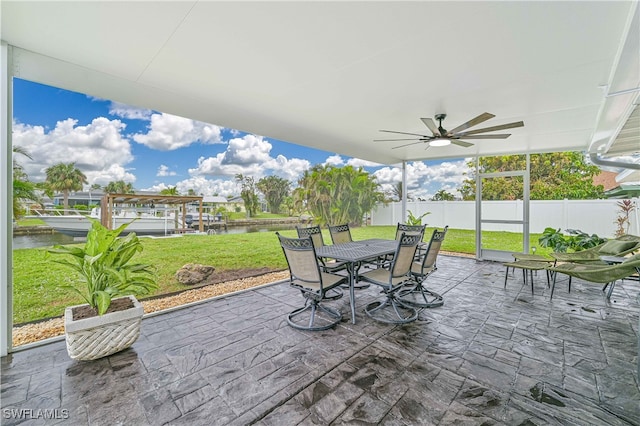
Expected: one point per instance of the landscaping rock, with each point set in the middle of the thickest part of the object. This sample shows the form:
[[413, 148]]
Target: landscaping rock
[[194, 273]]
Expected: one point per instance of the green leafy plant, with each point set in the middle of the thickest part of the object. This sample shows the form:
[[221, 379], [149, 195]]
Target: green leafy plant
[[104, 266], [579, 240], [412, 220], [554, 239], [576, 240]]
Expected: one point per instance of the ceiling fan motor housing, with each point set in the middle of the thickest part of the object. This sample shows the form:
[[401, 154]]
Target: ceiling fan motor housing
[[441, 117]]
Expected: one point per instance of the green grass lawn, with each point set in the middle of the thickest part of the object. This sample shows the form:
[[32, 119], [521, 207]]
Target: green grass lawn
[[36, 279], [31, 222], [261, 215]]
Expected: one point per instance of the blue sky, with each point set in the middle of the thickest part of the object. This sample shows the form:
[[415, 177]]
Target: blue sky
[[153, 150]]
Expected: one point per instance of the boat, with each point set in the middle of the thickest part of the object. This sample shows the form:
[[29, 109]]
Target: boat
[[76, 223]]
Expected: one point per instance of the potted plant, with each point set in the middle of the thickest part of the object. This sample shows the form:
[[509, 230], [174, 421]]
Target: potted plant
[[108, 322]]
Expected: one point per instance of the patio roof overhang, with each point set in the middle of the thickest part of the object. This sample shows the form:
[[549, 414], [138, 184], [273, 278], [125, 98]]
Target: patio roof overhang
[[330, 75]]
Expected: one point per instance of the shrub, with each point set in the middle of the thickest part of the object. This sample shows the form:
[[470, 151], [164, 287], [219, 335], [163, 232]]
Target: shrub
[[413, 220], [576, 240], [625, 207]]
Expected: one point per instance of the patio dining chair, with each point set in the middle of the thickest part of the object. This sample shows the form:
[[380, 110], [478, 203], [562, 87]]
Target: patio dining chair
[[328, 265], [410, 230], [340, 233], [598, 273], [392, 278], [307, 276], [414, 292]]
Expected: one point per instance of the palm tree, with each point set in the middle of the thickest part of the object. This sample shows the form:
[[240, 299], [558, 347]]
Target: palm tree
[[275, 189], [119, 187], [23, 189], [336, 195], [172, 190], [65, 177]]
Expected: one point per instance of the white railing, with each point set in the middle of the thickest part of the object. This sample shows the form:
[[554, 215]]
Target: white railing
[[50, 211], [590, 216]]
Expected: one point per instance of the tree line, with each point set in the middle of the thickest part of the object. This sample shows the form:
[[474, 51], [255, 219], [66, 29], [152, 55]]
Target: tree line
[[335, 195]]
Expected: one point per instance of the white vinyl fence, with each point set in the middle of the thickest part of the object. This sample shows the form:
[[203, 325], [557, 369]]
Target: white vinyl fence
[[591, 216]]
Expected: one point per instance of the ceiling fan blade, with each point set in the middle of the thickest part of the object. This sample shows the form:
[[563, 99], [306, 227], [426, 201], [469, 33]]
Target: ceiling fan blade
[[499, 136], [383, 140], [461, 143], [405, 133], [407, 144], [494, 128], [432, 126], [473, 122]]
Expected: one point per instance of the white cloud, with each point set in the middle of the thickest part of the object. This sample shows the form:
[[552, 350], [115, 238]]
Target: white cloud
[[114, 172], [250, 156], [357, 163], [290, 169], [201, 186], [337, 160], [247, 150], [169, 132], [334, 160], [129, 112], [164, 171], [98, 149], [423, 180]]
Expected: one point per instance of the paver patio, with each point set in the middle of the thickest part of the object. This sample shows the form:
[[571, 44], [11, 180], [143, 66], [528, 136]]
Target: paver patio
[[490, 355]]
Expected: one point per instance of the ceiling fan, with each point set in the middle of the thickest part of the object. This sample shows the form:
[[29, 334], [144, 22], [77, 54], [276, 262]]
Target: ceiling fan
[[443, 137]]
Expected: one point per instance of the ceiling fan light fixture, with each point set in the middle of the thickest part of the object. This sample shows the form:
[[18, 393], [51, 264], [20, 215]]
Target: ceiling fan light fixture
[[440, 142]]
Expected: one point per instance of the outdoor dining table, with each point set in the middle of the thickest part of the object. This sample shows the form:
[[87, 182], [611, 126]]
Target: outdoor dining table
[[353, 253]]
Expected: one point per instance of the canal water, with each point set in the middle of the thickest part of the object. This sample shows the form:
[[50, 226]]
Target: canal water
[[45, 240]]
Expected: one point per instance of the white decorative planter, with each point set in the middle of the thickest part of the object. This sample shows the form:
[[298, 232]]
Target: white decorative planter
[[99, 336]]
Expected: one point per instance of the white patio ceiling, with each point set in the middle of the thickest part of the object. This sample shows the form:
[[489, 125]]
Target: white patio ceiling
[[329, 75]]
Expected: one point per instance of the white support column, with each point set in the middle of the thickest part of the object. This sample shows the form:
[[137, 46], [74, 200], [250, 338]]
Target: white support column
[[478, 210], [526, 243], [6, 194], [404, 192]]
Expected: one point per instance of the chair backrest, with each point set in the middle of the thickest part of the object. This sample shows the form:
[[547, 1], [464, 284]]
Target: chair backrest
[[311, 231], [409, 229], [618, 247], [403, 258], [433, 248], [302, 260], [340, 234]]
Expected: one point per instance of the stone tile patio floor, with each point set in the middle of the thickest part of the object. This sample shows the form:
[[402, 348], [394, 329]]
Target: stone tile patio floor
[[488, 356]]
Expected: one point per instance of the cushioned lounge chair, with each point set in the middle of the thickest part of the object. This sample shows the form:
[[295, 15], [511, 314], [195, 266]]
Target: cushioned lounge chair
[[528, 267], [598, 273], [391, 278], [615, 247], [415, 293], [307, 276]]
